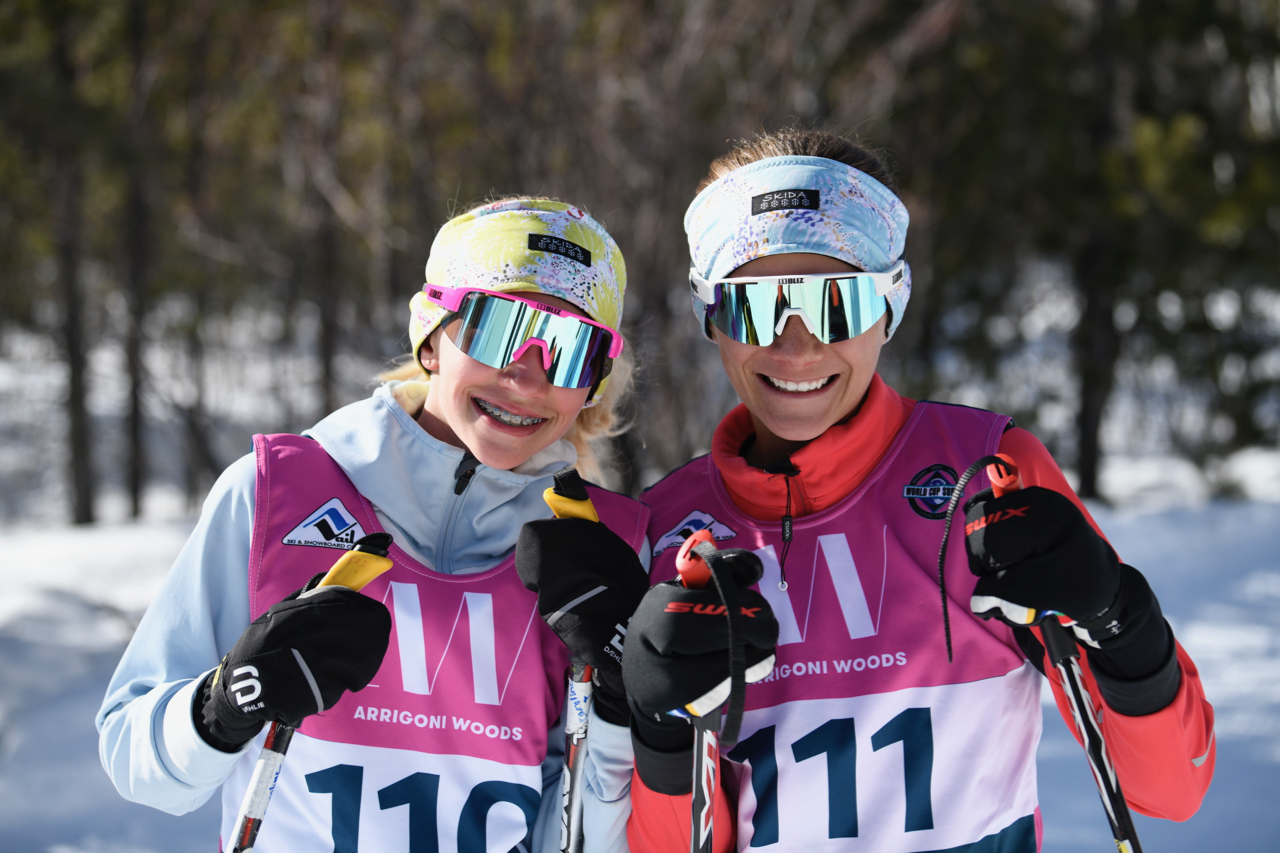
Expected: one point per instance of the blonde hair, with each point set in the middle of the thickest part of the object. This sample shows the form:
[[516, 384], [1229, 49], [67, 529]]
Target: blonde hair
[[594, 424], [597, 423]]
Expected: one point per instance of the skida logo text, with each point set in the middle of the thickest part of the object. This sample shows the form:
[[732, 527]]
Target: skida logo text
[[930, 490], [330, 526], [691, 524], [786, 200]]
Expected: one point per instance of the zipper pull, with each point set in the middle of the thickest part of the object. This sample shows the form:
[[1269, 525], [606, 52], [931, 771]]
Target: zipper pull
[[466, 470], [786, 546]]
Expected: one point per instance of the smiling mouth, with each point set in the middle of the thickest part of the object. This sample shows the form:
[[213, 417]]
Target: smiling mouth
[[504, 416], [798, 387]]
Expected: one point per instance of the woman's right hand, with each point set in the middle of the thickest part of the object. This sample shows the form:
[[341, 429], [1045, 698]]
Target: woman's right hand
[[292, 661], [677, 653]]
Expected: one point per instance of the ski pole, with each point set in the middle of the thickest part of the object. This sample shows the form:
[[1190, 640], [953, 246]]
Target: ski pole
[[1065, 656], [365, 561], [697, 564], [568, 498]]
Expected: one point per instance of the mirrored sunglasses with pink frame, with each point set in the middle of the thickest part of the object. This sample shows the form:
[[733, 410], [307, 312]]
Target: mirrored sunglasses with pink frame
[[497, 329]]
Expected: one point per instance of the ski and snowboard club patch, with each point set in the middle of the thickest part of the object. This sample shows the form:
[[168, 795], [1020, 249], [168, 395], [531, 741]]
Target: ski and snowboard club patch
[[692, 523], [930, 490], [330, 526]]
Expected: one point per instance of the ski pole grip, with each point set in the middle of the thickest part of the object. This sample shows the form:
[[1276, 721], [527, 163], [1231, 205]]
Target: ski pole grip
[[364, 562], [568, 498], [693, 570], [1058, 642], [1004, 476]]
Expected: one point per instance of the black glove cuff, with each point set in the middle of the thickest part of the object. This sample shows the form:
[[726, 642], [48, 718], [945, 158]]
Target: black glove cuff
[[1134, 658], [1139, 697], [1130, 638], [221, 730], [664, 771]]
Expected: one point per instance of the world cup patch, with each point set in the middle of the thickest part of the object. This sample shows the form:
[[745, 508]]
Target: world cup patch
[[785, 200], [930, 491], [689, 525]]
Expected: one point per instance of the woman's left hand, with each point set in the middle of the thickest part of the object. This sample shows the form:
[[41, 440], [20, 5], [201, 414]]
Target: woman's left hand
[[588, 582]]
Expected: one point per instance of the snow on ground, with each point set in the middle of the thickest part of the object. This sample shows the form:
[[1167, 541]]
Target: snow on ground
[[72, 596], [1216, 570]]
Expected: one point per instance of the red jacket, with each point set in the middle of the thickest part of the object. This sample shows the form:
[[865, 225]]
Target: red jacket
[[1164, 760]]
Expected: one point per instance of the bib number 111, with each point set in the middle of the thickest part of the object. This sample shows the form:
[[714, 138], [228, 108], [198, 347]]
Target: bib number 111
[[913, 728]]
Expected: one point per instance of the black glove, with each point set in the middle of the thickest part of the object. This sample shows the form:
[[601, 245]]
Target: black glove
[[292, 661], [678, 651], [1034, 549], [588, 582]]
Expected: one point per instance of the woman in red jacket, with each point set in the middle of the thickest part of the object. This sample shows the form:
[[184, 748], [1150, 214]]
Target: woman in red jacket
[[886, 723]]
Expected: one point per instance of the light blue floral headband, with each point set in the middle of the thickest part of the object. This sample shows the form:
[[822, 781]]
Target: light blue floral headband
[[798, 204]]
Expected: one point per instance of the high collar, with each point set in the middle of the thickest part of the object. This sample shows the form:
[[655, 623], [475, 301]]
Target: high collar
[[830, 467], [411, 477]]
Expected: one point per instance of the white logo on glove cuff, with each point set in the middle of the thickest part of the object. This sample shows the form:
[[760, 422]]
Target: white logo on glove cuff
[[249, 689]]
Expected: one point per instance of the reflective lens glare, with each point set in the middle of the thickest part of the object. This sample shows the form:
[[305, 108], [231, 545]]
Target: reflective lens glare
[[834, 309], [496, 331]]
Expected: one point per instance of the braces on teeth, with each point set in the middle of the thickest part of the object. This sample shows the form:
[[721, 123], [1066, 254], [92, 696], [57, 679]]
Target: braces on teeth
[[505, 416]]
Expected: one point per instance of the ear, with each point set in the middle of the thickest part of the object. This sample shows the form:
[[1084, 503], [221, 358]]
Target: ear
[[429, 352]]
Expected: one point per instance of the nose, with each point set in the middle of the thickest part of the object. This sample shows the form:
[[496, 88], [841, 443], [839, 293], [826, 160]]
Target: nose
[[796, 343], [526, 374]]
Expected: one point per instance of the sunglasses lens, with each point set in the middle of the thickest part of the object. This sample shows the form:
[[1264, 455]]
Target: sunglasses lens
[[494, 330], [837, 308]]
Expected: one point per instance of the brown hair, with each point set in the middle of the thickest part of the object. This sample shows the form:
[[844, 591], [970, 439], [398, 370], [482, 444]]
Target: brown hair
[[801, 142]]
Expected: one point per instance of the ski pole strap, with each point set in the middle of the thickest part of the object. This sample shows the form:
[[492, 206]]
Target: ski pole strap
[[956, 495], [727, 588]]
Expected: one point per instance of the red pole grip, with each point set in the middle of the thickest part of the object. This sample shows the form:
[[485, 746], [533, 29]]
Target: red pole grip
[[1004, 476], [693, 570]]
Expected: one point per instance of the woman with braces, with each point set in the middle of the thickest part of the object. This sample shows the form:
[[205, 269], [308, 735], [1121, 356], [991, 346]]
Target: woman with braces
[[426, 706]]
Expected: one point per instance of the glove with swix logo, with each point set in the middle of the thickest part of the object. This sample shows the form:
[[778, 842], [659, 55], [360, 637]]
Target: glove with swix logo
[[292, 661], [678, 656], [588, 582], [1032, 549]]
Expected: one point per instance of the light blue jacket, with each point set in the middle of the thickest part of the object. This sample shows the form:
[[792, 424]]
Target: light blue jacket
[[147, 739]]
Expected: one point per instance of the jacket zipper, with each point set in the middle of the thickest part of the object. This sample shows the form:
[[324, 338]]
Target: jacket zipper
[[462, 478], [788, 470]]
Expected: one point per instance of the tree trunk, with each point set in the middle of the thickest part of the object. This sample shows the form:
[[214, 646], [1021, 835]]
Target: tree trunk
[[1097, 348], [327, 295], [138, 254], [1096, 342], [68, 204], [328, 279], [202, 465]]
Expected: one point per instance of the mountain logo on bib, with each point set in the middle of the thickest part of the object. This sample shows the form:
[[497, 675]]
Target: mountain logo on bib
[[930, 490], [330, 526], [692, 523]]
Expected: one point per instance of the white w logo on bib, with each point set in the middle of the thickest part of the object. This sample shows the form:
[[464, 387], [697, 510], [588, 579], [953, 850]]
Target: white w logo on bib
[[850, 591], [417, 677]]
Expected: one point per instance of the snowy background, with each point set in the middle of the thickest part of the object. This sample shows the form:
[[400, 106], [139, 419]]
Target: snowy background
[[72, 597]]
